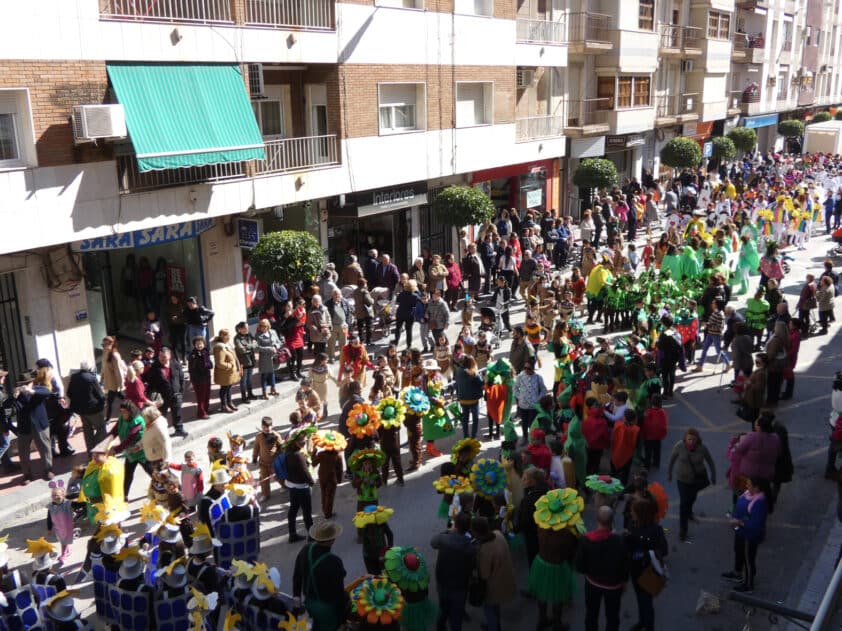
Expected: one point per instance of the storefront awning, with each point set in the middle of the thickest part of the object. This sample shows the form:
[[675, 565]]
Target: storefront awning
[[186, 115]]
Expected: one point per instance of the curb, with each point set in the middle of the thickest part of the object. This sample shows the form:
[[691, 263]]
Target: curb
[[36, 495]]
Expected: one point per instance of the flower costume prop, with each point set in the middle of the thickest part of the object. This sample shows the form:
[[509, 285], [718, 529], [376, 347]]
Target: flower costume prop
[[407, 569], [604, 484], [558, 514], [372, 515], [42, 551], [415, 400], [200, 605], [472, 445], [499, 390], [360, 455], [657, 491], [377, 601], [437, 422], [450, 486], [363, 420], [329, 440], [392, 412], [295, 434], [152, 514], [293, 623], [488, 477]]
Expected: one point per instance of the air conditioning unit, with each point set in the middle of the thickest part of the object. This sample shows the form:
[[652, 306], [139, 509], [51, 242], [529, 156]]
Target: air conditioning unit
[[96, 122], [257, 89], [525, 77], [687, 65]]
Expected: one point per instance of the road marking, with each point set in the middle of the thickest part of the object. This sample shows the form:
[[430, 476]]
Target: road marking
[[725, 520], [806, 376], [704, 419], [805, 402], [812, 454]]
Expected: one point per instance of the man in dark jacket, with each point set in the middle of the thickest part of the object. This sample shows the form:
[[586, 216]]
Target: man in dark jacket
[[454, 564], [33, 424], [298, 483], [319, 575], [85, 398], [370, 268], [534, 487], [167, 378], [603, 559], [196, 317], [473, 270], [387, 274]]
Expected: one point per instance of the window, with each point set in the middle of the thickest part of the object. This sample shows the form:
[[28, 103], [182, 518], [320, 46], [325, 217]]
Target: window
[[646, 16], [624, 92], [273, 113], [401, 4], [17, 148], [641, 91], [605, 93], [473, 104], [782, 86], [719, 25], [474, 7], [399, 107], [631, 92]]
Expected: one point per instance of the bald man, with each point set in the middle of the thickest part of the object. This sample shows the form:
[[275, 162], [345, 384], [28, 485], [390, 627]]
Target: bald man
[[602, 558]]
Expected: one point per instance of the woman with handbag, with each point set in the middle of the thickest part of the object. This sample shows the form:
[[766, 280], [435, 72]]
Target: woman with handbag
[[494, 569], [268, 345], [691, 460], [645, 539]]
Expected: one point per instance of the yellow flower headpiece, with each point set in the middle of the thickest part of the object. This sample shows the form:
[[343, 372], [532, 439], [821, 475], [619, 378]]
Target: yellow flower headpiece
[[179, 561], [130, 551], [39, 547], [152, 512], [392, 412], [110, 530], [559, 509], [452, 484], [293, 623], [329, 440], [263, 577], [243, 568], [372, 515], [201, 530], [65, 593], [363, 420], [231, 620]]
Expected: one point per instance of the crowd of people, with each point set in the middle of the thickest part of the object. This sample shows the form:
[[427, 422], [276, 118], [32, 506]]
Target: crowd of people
[[592, 434]]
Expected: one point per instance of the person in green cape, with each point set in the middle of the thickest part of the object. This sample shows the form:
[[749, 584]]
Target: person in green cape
[[748, 262], [691, 266], [757, 311], [576, 449], [599, 277], [671, 264]]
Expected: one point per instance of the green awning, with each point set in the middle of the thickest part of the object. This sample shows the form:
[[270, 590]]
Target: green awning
[[186, 115]]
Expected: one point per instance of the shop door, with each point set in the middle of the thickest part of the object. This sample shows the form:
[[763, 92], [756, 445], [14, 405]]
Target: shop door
[[434, 234], [12, 353], [102, 312]]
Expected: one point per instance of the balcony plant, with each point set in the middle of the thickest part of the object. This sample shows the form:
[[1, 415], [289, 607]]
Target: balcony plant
[[744, 139], [463, 206], [596, 173], [791, 128], [681, 153], [288, 256], [821, 117]]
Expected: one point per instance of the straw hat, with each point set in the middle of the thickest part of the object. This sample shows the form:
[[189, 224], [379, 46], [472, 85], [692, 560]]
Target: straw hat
[[325, 531], [430, 364]]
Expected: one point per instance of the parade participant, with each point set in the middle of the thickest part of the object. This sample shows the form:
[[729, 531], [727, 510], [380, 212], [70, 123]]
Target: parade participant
[[365, 466], [318, 577], [128, 434], [463, 454], [377, 603], [172, 580], [267, 444], [61, 615], [431, 383], [558, 515], [575, 448], [328, 445], [392, 413], [44, 558], [372, 524], [60, 518], [469, 390], [265, 591], [237, 460], [201, 571], [298, 481], [130, 597], [534, 487], [406, 568], [539, 454], [219, 478], [103, 477], [171, 545]]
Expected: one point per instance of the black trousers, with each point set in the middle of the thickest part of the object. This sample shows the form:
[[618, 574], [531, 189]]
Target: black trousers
[[652, 453], [407, 323], [745, 558], [594, 458], [593, 600], [299, 499], [173, 405], [773, 386], [128, 474], [364, 324], [668, 377], [296, 360]]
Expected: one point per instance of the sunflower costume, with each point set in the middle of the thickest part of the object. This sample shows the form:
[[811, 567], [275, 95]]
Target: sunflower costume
[[468, 448], [406, 568], [329, 441], [367, 482], [377, 601], [558, 515], [363, 421], [450, 486], [488, 478], [392, 413], [376, 535]]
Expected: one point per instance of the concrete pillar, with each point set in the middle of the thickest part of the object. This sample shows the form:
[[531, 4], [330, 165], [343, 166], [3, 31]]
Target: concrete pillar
[[222, 261]]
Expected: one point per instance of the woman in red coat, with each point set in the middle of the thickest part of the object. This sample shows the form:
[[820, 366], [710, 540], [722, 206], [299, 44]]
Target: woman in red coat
[[293, 331], [454, 281], [597, 437]]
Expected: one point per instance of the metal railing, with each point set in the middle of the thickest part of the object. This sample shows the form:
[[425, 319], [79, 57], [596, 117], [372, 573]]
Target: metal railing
[[294, 154], [688, 103], [282, 156], [590, 27], [308, 14], [541, 31], [196, 11], [735, 99], [588, 112], [665, 106], [692, 37], [535, 127], [671, 36]]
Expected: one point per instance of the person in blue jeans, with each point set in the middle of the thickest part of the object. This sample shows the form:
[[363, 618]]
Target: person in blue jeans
[[454, 564], [469, 390], [714, 327]]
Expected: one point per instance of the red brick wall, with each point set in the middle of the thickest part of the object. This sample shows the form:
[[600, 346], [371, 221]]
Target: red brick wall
[[54, 88]]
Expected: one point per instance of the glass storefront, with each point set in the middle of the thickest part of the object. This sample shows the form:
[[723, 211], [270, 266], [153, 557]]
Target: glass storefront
[[388, 233]]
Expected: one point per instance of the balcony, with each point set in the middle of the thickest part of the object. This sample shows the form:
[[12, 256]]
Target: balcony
[[587, 117], [806, 96], [666, 110], [738, 48], [589, 33], [541, 32], [537, 127], [187, 11], [735, 99], [688, 106], [691, 44], [286, 155], [307, 14], [670, 40]]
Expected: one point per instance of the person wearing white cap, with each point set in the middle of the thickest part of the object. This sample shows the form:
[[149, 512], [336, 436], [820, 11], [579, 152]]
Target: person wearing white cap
[[219, 478]]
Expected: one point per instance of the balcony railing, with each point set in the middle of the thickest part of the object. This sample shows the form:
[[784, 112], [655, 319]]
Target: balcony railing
[[590, 27], [692, 37], [665, 106], [308, 14], [735, 98], [194, 11], [688, 103], [294, 154], [535, 127], [588, 112], [786, 47], [282, 156], [671, 36], [541, 31]]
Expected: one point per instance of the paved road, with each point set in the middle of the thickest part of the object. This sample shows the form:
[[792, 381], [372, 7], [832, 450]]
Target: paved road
[[795, 549]]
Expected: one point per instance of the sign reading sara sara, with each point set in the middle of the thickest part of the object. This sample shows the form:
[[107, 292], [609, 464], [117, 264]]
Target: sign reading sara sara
[[146, 237]]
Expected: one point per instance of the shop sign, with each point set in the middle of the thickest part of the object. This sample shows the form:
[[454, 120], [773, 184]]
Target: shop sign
[[176, 279], [145, 238], [248, 232], [587, 147], [707, 150], [635, 140], [767, 120], [534, 198], [615, 143], [386, 200]]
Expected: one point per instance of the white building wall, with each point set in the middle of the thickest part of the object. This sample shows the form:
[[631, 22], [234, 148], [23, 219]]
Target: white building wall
[[222, 261]]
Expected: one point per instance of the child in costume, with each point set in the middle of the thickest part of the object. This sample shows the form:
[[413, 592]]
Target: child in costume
[[267, 444], [406, 568], [372, 524], [653, 432], [441, 353], [238, 460], [60, 517], [392, 413], [463, 454], [364, 465], [539, 454], [192, 478], [482, 350], [329, 446], [448, 486]]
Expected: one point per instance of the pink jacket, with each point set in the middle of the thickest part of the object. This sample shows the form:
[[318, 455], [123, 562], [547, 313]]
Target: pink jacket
[[758, 452], [454, 276]]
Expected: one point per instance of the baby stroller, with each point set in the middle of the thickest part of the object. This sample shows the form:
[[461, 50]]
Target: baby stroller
[[836, 236], [491, 323]]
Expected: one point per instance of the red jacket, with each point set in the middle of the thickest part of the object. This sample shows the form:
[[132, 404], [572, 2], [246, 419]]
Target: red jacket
[[595, 430], [454, 276], [540, 456], [654, 424], [294, 331]]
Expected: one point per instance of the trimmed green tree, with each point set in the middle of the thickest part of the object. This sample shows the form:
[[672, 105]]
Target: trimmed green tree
[[288, 256], [838, 115], [723, 148], [596, 173], [821, 117], [744, 139], [791, 128], [463, 206], [681, 153]]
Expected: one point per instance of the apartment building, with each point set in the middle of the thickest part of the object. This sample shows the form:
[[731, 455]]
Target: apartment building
[[145, 145]]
